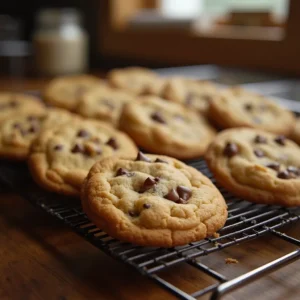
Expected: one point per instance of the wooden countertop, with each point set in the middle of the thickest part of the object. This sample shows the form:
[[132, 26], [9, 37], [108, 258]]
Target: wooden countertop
[[43, 259]]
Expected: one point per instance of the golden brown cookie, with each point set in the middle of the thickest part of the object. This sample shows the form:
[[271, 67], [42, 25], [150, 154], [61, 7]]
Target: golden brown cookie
[[17, 132], [17, 103], [152, 200], [104, 103], [166, 128], [236, 107], [256, 165], [194, 94], [60, 158], [295, 136], [65, 92], [136, 80]]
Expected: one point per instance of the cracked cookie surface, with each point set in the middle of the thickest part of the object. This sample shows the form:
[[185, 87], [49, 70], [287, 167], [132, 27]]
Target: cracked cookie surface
[[152, 200], [165, 127], [104, 103], [194, 94], [60, 158], [66, 92], [18, 131], [256, 165], [236, 107]]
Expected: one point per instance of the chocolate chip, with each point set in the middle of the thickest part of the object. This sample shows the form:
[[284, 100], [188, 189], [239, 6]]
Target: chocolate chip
[[156, 116], [158, 160], [172, 195], [132, 213], [248, 106], [184, 192], [284, 174], [83, 133], [280, 140], [259, 139], [122, 171], [157, 179], [16, 125], [142, 157], [33, 128], [112, 143], [58, 147], [148, 184], [13, 103], [259, 153], [293, 169], [77, 148], [146, 205], [231, 149], [275, 166]]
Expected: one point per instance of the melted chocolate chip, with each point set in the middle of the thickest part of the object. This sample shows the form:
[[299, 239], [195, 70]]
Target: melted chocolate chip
[[275, 166], [259, 139], [158, 160], [122, 171], [112, 143], [33, 128], [78, 148], [58, 147], [132, 213], [148, 184], [184, 192], [83, 133], [13, 103], [284, 174], [294, 170], [231, 149], [146, 205], [16, 125], [172, 195], [156, 116], [259, 153], [248, 106], [280, 140], [142, 157]]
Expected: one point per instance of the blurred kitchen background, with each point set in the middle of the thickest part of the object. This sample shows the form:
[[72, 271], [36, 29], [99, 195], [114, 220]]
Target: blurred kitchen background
[[227, 41]]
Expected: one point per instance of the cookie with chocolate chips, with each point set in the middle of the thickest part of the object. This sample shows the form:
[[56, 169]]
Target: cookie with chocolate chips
[[256, 165], [236, 107], [60, 158], [165, 127], [194, 94], [104, 103], [17, 132], [136, 80], [66, 92], [16, 103], [152, 200]]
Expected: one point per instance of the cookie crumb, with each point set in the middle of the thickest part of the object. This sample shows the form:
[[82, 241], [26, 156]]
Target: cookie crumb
[[230, 261], [216, 235]]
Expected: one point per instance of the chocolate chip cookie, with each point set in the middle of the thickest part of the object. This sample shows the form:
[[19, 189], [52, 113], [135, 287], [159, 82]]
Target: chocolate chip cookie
[[152, 201], [194, 94], [257, 166], [60, 158], [17, 103], [295, 136], [166, 128], [136, 80], [236, 107], [104, 103], [66, 92], [18, 131]]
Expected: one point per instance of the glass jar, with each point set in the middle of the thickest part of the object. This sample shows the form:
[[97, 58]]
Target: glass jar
[[60, 42]]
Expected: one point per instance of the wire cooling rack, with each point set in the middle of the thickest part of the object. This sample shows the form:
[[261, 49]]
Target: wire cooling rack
[[245, 221]]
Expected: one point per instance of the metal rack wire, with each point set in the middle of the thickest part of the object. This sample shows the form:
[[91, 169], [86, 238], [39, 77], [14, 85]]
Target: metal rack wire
[[246, 221]]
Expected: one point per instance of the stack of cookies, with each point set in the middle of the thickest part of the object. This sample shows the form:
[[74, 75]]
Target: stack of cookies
[[85, 143]]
